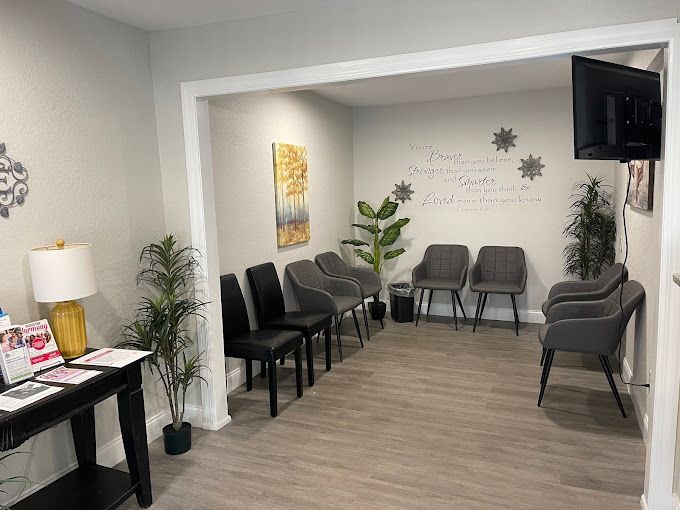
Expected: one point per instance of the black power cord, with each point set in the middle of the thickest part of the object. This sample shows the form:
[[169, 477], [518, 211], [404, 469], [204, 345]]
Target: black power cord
[[623, 273]]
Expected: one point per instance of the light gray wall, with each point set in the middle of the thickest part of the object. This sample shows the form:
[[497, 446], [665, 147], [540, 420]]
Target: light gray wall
[[476, 199], [77, 111], [334, 33], [242, 131]]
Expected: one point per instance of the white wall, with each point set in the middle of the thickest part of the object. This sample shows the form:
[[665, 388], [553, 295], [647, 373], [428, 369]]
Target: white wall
[[477, 196], [242, 131], [77, 111]]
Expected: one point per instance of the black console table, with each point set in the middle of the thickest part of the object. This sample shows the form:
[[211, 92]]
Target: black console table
[[90, 486]]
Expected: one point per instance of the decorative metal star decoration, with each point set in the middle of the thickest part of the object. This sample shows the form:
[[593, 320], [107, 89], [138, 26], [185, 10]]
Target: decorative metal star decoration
[[504, 139], [531, 167], [13, 186], [403, 192]]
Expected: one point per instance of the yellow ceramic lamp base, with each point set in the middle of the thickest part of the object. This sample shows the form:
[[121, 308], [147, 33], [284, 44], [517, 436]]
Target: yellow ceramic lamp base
[[68, 326]]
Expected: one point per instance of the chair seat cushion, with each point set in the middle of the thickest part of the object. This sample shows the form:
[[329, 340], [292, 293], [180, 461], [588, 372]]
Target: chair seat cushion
[[345, 303], [542, 332], [438, 283], [369, 289], [263, 344], [497, 287], [307, 323], [544, 307]]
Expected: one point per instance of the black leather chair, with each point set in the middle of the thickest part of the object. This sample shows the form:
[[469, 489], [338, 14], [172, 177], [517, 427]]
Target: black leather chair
[[590, 327], [498, 270], [444, 267], [267, 345], [271, 313]]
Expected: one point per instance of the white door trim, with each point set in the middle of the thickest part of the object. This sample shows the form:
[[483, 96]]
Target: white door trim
[[661, 449]]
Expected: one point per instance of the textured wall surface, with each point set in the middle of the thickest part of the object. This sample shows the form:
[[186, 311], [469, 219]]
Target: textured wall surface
[[390, 140], [77, 111], [243, 130]]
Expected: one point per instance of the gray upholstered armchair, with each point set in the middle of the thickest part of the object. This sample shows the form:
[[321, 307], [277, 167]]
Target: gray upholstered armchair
[[368, 281], [498, 270], [444, 267], [586, 290], [318, 292], [590, 327]]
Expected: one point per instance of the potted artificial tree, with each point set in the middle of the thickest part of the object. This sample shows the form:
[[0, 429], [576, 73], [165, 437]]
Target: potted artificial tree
[[161, 325], [381, 237], [591, 230]]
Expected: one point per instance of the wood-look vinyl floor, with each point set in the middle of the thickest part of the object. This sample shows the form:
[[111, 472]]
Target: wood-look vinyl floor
[[422, 418]]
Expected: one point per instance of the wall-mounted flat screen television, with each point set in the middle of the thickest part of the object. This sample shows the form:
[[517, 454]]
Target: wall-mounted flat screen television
[[617, 111]]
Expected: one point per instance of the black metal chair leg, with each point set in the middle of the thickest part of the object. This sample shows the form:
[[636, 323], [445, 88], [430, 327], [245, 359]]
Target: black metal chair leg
[[337, 334], [327, 336], [363, 309], [604, 361], [455, 313], [309, 353], [460, 303], [382, 324], [249, 374], [479, 303], [481, 312], [543, 355], [429, 303], [298, 371], [514, 309], [273, 403], [356, 325], [263, 369], [420, 305], [546, 373]]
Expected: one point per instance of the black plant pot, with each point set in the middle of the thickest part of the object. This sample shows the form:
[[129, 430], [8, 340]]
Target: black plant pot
[[177, 442], [377, 310]]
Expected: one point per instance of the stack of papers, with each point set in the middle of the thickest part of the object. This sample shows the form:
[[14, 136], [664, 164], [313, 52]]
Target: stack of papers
[[25, 394], [116, 358], [68, 375]]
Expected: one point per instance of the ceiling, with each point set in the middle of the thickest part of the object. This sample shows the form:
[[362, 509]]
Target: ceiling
[[163, 14], [508, 78]]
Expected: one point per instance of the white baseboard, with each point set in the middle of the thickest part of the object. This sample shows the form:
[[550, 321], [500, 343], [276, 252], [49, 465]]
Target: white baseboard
[[639, 404], [494, 314]]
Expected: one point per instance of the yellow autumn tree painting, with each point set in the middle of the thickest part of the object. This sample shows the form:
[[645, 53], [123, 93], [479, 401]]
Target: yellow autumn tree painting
[[291, 184]]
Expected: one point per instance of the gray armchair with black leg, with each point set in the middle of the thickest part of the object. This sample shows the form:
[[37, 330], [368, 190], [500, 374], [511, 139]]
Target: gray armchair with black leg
[[367, 279], [318, 292], [589, 327], [498, 270], [444, 267], [586, 290]]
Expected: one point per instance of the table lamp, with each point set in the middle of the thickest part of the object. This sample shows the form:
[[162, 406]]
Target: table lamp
[[62, 273]]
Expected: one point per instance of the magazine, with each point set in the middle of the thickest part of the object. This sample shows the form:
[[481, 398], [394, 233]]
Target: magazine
[[15, 359], [68, 375], [25, 394], [109, 357], [41, 345]]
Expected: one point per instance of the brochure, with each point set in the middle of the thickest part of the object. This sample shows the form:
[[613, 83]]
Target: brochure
[[41, 345], [15, 360], [5, 321], [109, 357], [68, 375], [25, 394]]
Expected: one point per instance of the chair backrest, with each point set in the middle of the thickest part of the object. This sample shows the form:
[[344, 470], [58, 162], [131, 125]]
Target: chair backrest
[[307, 274], [611, 278], [331, 263], [234, 313], [501, 263], [633, 294], [445, 260], [266, 290]]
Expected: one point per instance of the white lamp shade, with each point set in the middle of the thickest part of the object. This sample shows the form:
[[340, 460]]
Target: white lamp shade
[[62, 274]]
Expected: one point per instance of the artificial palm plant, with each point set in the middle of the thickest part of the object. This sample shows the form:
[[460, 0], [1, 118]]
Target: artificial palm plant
[[163, 317], [377, 254], [591, 230]]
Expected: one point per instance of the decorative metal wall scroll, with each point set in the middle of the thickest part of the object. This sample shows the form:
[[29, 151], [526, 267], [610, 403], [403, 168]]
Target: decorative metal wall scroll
[[403, 192], [13, 187], [531, 167], [504, 139]]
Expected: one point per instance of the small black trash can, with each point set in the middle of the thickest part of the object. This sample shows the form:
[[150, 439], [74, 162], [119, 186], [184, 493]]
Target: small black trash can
[[401, 301]]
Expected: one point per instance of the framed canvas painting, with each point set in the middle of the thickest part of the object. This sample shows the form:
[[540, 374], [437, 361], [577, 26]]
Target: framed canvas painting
[[641, 192], [291, 188]]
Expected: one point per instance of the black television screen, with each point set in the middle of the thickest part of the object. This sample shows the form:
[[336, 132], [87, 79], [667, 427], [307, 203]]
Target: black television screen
[[617, 111]]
